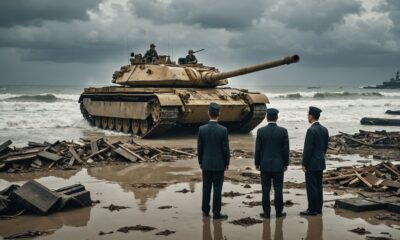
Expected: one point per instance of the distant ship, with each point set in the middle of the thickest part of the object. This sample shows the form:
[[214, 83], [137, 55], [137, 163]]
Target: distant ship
[[394, 83]]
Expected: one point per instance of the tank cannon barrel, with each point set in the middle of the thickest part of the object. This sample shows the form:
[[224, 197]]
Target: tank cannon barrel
[[213, 76]]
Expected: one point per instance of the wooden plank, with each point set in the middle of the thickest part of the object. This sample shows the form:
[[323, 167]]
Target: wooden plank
[[380, 121], [75, 154], [93, 146], [5, 145], [131, 152], [71, 161], [363, 179], [345, 135], [339, 177], [109, 144], [96, 153], [125, 154], [20, 158], [181, 152], [391, 169], [50, 156]]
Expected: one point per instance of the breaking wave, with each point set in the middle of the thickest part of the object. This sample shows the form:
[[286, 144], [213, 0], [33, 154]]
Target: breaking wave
[[334, 95], [46, 97]]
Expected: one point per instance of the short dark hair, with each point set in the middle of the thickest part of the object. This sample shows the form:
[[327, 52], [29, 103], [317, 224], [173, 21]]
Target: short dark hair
[[315, 116], [213, 113], [272, 118]]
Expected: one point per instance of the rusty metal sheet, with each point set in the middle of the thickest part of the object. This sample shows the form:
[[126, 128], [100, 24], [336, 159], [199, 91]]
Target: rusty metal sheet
[[169, 100]]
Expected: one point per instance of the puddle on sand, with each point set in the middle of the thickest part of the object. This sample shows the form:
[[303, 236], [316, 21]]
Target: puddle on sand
[[112, 185]]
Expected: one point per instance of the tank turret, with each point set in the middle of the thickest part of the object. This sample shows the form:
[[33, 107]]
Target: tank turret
[[166, 73]]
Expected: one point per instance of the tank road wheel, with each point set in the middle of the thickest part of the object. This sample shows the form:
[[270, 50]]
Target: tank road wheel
[[155, 111], [97, 122], [104, 122], [126, 125], [144, 126], [118, 124], [135, 126], [111, 123]]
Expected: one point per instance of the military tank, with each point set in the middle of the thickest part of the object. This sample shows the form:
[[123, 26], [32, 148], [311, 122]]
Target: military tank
[[151, 98]]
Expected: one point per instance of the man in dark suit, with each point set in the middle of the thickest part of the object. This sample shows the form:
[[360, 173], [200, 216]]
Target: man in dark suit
[[313, 163], [213, 155], [272, 159]]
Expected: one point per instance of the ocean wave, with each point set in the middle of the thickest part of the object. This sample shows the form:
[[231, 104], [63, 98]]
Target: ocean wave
[[333, 95], [45, 97]]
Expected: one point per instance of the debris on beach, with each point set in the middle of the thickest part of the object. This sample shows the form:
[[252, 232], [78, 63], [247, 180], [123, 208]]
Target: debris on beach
[[380, 121], [381, 177], [165, 233], [138, 227], [183, 191], [113, 207], [232, 194], [101, 233], [165, 207], [34, 198], [365, 142], [28, 234], [252, 203], [149, 185], [65, 155], [360, 231], [245, 222]]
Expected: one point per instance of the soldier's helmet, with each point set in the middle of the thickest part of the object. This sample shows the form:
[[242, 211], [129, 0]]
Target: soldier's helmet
[[191, 51], [152, 45]]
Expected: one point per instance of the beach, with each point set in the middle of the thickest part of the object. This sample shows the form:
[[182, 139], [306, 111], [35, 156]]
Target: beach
[[52, 113]]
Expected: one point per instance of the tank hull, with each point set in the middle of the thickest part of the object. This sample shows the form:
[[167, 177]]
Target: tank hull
[[151, 111]]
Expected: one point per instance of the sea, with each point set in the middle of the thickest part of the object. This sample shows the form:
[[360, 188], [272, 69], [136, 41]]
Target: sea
[[51, 113]]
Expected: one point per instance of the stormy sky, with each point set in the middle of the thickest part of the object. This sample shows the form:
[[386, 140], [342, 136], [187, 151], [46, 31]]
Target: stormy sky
[[340, 42]]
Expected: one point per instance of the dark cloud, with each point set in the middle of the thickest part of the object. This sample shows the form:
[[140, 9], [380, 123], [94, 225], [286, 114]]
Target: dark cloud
[[34, 12], [314, 15], [232, 14]]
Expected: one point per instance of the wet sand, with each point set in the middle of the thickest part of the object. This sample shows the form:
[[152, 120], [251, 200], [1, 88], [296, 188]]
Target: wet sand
[[113, 185]]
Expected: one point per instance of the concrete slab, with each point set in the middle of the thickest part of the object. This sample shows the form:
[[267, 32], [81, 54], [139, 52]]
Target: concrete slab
[[359, 204]]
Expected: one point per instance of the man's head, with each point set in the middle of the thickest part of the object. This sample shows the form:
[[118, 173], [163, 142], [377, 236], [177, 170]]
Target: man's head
[[272, 114], [152, 46], [313, 114], [191, 52], [213, 111]]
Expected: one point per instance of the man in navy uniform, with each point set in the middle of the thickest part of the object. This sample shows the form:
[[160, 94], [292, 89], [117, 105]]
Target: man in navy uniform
[[272, 159], [213, 155], [313, 163]]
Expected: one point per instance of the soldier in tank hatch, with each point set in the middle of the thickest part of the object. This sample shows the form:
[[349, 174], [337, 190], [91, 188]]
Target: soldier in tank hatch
[[213, 155], [313, 162], [151, 55], [191, 58], [272, 159]]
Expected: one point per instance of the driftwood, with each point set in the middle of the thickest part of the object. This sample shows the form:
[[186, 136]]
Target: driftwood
[[391, 112], [380, 121]]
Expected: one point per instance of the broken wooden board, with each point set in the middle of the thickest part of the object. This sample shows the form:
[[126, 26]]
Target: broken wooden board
[[122, 152], [49, 156], [133, 153], [20, 158], [75, 154], [380, 121], [5, 145], [94, 147]]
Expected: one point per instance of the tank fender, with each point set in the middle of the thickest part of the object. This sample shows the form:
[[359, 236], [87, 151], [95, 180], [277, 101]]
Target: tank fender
[[254, 98], [169, 100]]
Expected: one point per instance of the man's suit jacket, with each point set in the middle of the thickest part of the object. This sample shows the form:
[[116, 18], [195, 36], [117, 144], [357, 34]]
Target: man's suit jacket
[[272, 148], [213, 147], [315, 146]]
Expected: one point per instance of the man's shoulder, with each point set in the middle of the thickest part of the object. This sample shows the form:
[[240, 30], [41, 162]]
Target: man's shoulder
[[222, 127], [283, 129]]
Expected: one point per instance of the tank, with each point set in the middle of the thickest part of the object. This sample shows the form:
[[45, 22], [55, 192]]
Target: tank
[[151, 98]]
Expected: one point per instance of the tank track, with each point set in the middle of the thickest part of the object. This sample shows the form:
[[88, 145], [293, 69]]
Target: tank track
[[168, 118], [256, 116]]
